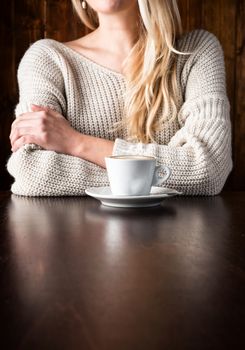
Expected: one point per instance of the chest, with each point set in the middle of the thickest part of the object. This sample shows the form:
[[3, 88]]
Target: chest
[[95, 104]]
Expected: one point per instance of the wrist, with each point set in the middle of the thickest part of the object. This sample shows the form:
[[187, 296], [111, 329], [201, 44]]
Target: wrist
[[92, 149], [77, 148]]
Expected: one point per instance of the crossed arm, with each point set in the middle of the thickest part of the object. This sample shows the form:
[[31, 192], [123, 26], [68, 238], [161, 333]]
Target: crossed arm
[[51, 131]]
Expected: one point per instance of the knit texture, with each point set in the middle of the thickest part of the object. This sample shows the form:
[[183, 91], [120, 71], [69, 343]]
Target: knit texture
[[196, 145]]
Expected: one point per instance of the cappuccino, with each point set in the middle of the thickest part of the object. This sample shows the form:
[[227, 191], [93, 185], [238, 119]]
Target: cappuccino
[[131, 157]]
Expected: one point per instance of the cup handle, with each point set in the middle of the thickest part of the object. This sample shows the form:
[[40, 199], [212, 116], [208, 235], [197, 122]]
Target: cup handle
[[159, 180]]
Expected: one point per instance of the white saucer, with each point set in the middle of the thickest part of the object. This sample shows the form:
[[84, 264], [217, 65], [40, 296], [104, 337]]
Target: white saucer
[[155, 198]]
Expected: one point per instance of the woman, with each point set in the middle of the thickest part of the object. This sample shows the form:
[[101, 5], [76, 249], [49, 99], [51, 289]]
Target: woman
[[134, 85]]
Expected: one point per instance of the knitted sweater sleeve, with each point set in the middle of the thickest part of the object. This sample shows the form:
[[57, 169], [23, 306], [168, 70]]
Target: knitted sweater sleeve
[[199, 154], [39, 172]]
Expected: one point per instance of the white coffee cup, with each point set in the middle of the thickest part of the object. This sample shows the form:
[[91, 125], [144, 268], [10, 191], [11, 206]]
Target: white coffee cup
[[134, 175]]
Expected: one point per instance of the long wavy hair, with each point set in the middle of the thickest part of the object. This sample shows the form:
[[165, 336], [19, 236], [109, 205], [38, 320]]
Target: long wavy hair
[[152, 92]]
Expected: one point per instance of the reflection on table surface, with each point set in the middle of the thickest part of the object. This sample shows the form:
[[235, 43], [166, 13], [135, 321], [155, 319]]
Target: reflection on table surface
[[79, 274]]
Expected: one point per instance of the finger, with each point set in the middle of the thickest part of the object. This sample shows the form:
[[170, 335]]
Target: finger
[[33, 122], [19, 132], [25, 117], [51, 111], [23, 141], [29, 119], [36, 108]]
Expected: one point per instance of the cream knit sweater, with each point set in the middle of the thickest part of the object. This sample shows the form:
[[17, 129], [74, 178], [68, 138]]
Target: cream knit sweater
[[196, 146]]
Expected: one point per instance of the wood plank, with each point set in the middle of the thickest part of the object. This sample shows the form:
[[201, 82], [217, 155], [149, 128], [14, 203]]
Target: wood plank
[[183, 8], [239, 125], [62, 24], [8, 87], [29, 24], [191, 14], [195, 14]]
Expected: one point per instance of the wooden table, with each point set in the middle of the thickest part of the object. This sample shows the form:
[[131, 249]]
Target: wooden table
[[76, 275]]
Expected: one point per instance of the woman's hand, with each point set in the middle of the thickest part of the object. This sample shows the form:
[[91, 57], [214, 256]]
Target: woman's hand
[[46, 128], [50, 130]]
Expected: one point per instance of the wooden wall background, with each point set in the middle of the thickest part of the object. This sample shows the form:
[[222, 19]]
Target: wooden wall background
[[25, 21]]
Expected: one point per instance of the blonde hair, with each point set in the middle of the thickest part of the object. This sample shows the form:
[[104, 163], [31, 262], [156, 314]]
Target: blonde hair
[[152, 92]]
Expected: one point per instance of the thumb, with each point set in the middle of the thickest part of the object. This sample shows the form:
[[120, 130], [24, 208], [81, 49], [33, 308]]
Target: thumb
[[36, 108]]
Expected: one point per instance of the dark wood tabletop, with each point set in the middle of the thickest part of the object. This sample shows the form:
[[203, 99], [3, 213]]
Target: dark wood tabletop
[[77, 275]]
